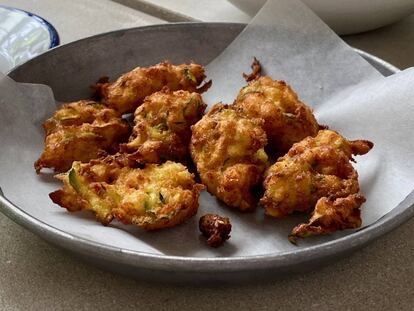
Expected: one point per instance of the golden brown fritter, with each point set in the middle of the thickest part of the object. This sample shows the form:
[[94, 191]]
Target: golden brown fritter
[[228, 150], [78, 132], [129, 91], [77, 113], [90, 186], [155, 197], [215, 228], [313, 169], [158, 196], [286, 119], [162, 126]]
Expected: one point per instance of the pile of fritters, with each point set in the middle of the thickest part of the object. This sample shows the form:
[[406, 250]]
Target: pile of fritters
[[130, 177], [231, 147], [138, 175]]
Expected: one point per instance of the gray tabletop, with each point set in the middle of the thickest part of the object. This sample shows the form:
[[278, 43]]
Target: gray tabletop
[[37, 276]]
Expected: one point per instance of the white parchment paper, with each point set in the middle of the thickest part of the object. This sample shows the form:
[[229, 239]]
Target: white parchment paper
[[292, 43]]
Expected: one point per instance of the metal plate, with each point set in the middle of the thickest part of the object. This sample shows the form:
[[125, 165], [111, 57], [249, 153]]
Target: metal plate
[[113, 53]]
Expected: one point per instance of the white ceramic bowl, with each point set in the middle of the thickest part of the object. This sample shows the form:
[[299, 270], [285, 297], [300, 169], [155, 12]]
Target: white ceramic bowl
[[347, 16]]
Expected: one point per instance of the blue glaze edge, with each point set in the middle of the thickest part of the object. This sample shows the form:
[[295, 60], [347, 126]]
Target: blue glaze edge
[[54, 36]]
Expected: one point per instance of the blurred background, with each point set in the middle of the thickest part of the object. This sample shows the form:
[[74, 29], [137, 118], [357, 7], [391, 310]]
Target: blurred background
[[385, 29]]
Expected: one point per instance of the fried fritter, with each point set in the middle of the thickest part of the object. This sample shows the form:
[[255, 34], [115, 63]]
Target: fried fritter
[[155, 197], [228, 150], [77, 113], [158, 196], [317, 171], [78, 131], [129, 91], [162, 126], [90, 186], [286, 119]]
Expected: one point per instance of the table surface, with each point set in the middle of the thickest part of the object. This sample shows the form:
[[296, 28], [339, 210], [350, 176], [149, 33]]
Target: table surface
[[37, 276]]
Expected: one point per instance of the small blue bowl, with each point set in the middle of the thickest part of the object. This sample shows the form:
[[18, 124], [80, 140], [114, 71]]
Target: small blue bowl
[[23, 35]]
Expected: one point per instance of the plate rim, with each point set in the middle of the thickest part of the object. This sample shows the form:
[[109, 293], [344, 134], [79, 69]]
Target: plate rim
[[138, 259]]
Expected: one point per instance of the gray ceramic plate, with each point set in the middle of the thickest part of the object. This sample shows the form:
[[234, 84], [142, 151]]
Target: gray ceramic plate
[[80, 63]]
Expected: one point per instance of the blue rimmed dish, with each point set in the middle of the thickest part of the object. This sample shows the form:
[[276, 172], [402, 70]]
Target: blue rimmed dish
[[23, 35]]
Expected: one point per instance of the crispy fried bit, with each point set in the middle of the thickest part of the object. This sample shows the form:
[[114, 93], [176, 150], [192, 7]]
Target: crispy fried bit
[[155, 197], [228, 150], [78, 132], [317, 167], [286, 119], [162, 126], [256, 71], [215, 228], [331, 215], [129, 91]]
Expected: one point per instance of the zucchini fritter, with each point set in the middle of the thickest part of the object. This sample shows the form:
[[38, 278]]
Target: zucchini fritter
[[317, 171], [90, 186], [162, 126], [155, 197], [78, 131], [158, 196], [228, 150], [286, 119], [129, 91]]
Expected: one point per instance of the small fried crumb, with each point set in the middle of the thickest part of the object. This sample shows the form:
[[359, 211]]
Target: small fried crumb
[[215, 228], [256, 71]]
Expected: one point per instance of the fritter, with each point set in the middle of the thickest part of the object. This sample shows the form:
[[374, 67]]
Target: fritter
[[129, 91], [286, 119], [158, 196], [228, 150], [77, 113], [317, 171], [78, 131], [162, 126], [90, 186], [155, 197], [215, 228]]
